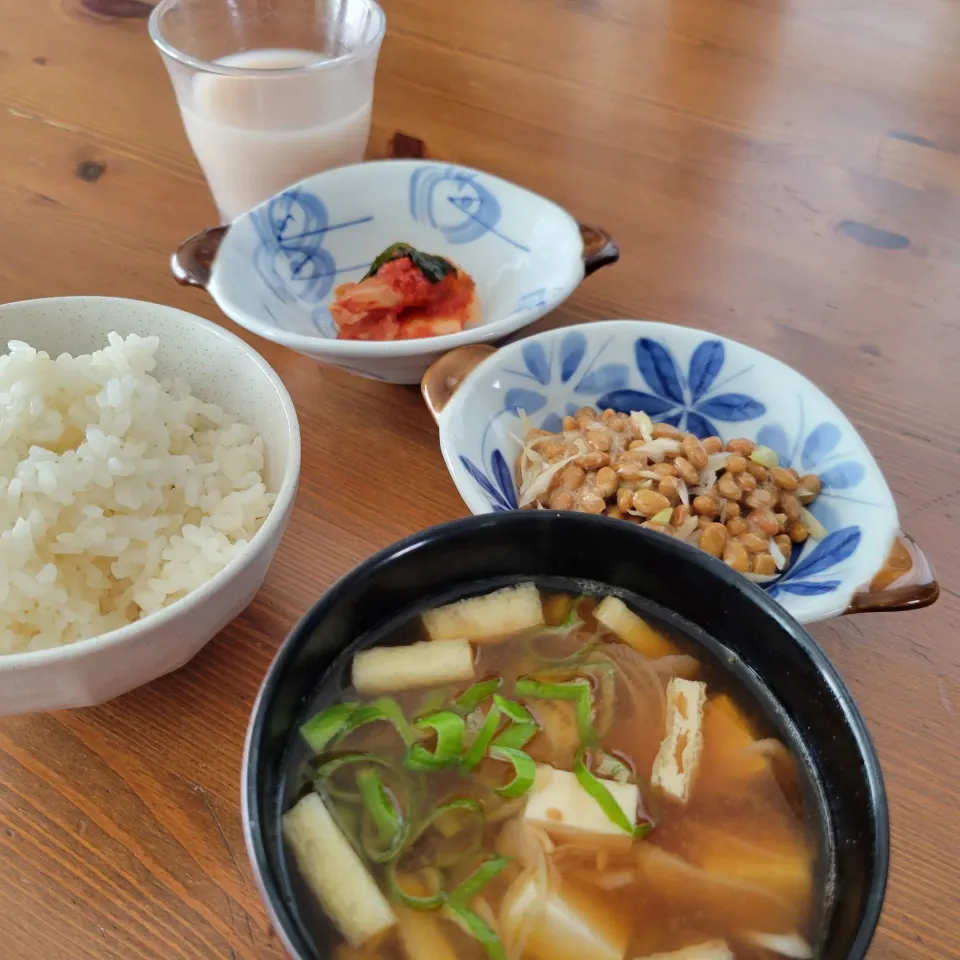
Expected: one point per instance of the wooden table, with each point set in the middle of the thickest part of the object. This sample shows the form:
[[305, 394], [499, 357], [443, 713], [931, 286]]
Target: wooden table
[[781, 173]]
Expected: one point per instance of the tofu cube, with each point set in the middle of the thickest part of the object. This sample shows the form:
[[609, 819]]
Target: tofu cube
[[571, 925], [487, 619], [559, 805], [678, 759], [395, 669]]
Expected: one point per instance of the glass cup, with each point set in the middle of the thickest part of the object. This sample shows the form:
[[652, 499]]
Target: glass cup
[[270, 91]]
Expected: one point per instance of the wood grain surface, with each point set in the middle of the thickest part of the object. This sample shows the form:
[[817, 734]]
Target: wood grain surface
[[784, 173]]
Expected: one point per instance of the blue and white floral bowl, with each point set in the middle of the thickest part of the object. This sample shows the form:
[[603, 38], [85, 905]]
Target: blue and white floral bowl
[[275, 269], [698, 382]]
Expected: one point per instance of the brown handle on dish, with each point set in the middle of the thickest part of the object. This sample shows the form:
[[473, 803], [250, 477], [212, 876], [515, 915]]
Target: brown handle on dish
[[446, 373], [192, 262], [599, 249], [906, 581]]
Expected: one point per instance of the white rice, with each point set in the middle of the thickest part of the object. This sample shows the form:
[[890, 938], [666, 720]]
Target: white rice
[[119, 493]]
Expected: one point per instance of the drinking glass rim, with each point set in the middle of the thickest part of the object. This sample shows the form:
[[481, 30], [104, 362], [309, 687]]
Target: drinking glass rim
[[209, 66]]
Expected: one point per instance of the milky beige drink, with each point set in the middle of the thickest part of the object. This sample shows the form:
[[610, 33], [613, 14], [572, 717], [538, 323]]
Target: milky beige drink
[[290, 116]]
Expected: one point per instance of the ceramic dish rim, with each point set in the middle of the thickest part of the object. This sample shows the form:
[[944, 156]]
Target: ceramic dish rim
[[390, 349]]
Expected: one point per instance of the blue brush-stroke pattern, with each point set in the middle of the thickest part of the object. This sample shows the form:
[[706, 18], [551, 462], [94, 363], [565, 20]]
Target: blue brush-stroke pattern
[[532, 300], [817, 453], [626, 401], [572, 348], [435, 193], [699, 425], [705, 364], [502, 497], [290, 256], [552, 422], [775, 438], [529, 401], [819, 443], [535, 358], [732, 407], [842, 476], [833, 549], [830, 552], [805, 588], [501, 473], [611, 376], [658, 369]]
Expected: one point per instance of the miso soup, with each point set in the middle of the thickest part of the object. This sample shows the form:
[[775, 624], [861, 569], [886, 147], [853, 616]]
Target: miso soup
[[533, 774]]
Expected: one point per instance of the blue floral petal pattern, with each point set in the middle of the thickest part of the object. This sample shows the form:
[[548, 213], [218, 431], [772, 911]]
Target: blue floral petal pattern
[[699, 425], [552, 422], [572, 348], [658, 369], [842, 476], [821, 441], [612, 376], [806, 588], [505, 497], [529, 401], [626, 401], [535, 357], [705, 364], [501, 473], [775, 438], [734, 407], [831, 550]]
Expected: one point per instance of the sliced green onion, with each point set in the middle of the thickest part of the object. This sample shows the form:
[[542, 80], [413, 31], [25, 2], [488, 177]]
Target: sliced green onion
[[435, 900], [470, 923], [464, 805], [662, 516], [449, 728], [612, 768], [517, 735], [576, 657], [478, 880], [328, 768], [576, 690], [378, 803], [487, 732], [472, 697], [604, 799], [391, 827], [432, 901], [765, 457], [538, 690], [432, 701], [383, 708], [322, 727], [512, 710], [571, 617], [525, 771], [605, 672]]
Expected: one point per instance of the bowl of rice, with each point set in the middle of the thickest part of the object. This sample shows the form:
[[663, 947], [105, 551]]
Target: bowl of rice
[[149, 463]]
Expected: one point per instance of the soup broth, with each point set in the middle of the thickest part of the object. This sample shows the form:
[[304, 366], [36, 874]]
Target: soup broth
[[537, 774]]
